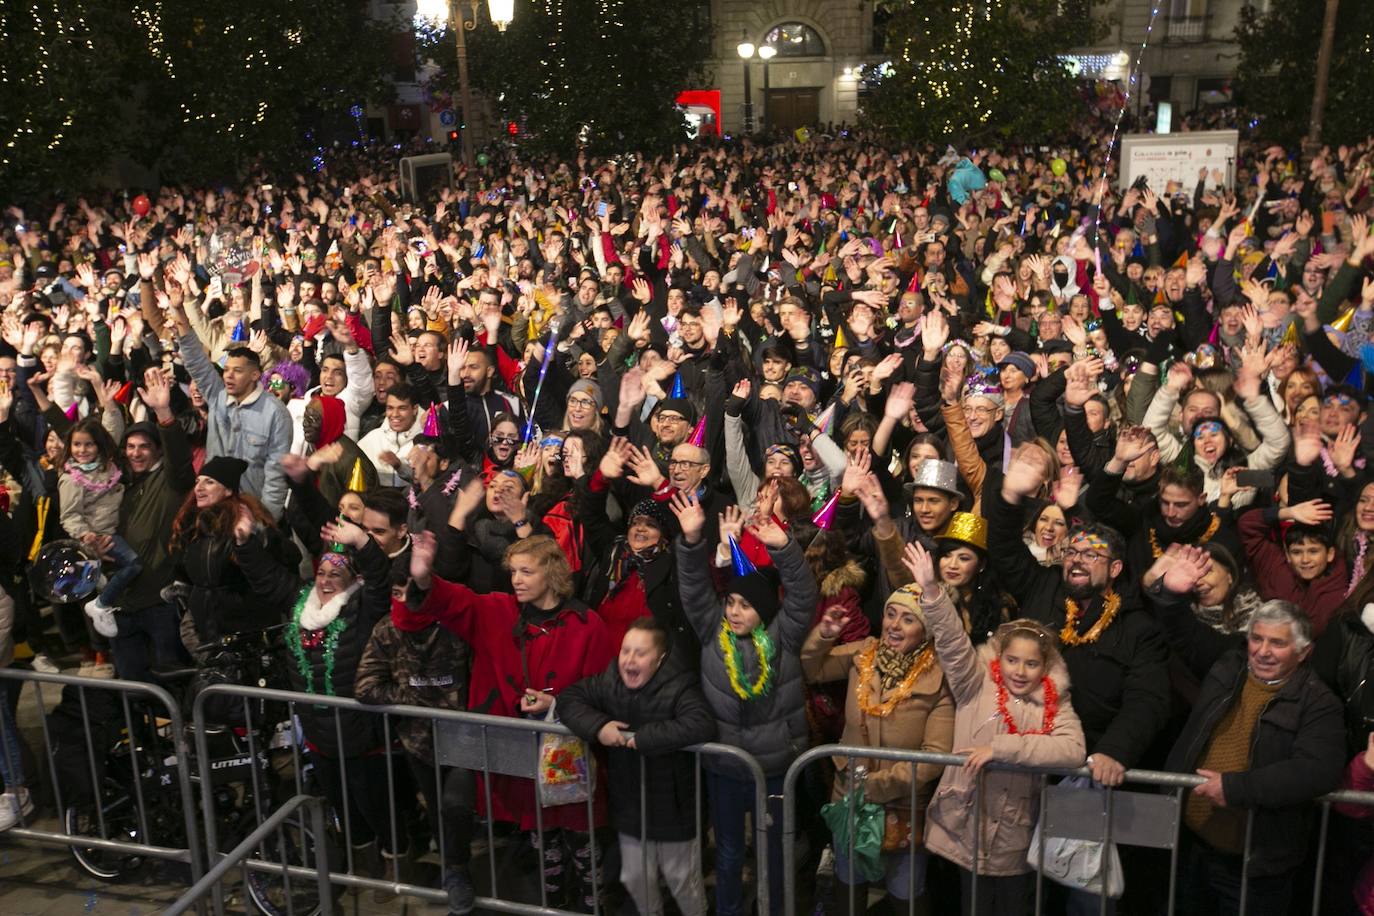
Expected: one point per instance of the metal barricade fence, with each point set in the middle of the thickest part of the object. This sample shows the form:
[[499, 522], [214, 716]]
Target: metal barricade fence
[[1098, 814], [124, 790], [497, 746]]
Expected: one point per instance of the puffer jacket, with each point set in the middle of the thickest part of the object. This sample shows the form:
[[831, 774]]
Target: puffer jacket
[[666, 714], [91, 510], [426, 667], [924, 721], [1010, 799], [772, 727]]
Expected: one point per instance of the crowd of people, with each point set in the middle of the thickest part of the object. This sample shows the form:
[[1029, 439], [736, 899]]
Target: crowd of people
[[771, 445]]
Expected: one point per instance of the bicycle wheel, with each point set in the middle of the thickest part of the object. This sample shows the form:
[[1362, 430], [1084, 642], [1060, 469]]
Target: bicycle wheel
[[119, 810], [273, 892]]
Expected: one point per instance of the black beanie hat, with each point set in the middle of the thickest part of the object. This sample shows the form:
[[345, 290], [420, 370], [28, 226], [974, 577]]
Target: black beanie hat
[[225, 470], [760, 589], [658, 513]]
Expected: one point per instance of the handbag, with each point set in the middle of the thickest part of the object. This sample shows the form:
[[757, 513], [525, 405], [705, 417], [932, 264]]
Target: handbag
[[566, 772], [1076, 863]]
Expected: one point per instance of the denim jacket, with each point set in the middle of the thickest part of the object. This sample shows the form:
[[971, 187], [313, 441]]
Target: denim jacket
[[256, 429]]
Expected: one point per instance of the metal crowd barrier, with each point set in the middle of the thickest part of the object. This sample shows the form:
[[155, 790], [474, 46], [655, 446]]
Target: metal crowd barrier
[[196, 894], [151, 737], [481, 743], [1106, 815]]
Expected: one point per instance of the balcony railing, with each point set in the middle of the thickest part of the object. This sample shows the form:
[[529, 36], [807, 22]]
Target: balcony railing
[[1186, 29]]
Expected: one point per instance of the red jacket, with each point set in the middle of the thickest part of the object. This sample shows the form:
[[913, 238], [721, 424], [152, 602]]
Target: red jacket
[[572, 645], [1274, 578]]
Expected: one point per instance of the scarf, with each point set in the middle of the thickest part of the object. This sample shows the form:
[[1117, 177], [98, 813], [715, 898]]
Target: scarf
[[625, 562], [893, 665]]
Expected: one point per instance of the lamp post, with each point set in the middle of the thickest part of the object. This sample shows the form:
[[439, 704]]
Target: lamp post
[[746, 53], [462, 22], [767, 53]]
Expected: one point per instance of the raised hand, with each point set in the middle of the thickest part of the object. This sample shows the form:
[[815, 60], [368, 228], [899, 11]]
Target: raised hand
[[690, 516], [921, 565], [617, 455], [157, 393], [457, 357], [768, 531], [1312, 512], [345, 533], [833, 623], [1344, 449], [401, 350], [731, 523], [1026, 474], [899, 401], [423, 546]]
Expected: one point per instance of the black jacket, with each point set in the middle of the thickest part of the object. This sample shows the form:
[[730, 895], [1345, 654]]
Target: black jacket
[[1344, 660], [1121, 681], [1297, 752], [666, 715]]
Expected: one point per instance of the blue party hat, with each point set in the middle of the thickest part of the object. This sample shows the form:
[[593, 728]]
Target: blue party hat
[[240, 333], [678, 391], [743, 566]]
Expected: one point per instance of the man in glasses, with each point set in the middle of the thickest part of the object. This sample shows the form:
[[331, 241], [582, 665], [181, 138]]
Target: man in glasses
[[1117, 659]]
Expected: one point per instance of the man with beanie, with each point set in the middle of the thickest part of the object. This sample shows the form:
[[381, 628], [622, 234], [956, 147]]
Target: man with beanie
[[160, 476]]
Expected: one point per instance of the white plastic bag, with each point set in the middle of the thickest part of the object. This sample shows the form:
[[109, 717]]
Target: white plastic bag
[[1077, 863]]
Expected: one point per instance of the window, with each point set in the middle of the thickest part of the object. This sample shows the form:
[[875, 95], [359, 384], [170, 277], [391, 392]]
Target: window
[[793, 39]]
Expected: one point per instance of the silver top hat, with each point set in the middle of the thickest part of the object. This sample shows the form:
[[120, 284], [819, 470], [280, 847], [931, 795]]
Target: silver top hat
[[934, 474]]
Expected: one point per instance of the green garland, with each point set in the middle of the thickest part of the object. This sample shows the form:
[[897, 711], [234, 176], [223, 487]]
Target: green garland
[[763, 645], [331, 643]]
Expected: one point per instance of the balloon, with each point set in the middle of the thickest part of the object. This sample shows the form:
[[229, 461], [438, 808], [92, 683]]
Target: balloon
[[483, 159], [1058, 166], [996, 175], [64, 573], [142, 205]]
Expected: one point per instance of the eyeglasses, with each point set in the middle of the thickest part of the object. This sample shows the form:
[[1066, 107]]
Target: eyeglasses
[[981, 410], [671, 418], [503, 440], [582, 402], [684, 463], [1087, 556]]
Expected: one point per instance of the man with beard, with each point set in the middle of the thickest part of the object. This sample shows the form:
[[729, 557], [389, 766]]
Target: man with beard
[[1178, 514], [1117, 659]]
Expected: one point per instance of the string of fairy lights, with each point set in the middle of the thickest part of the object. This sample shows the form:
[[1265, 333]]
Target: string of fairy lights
[[1132, 77], [56, 28], [949, 60]]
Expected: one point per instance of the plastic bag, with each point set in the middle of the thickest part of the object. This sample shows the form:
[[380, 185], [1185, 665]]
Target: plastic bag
[[1077, 863], [869, 824], [566, 771]]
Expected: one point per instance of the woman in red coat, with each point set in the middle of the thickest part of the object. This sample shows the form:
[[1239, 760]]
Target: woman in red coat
[[527, 647]]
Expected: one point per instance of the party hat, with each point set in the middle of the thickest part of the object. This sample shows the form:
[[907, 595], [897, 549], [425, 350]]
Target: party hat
[[432, 421], [356, 481], [240, 333], [1182, 260], [840, 340], [678, 391], [915, 283], [743, 566], [698, 437], [1343, 322], [122, 395], [826, 515], [825, 422], [1290, 334], [72, 412], [897, 239]]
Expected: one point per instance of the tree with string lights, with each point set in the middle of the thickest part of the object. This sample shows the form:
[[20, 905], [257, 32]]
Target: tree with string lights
[[194, 91], [598, 74], [978, 70], [1277, 71]]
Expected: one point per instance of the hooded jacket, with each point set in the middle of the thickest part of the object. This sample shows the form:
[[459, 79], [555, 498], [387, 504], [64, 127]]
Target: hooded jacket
[[1010, 799], [772, 727], [666, 715]]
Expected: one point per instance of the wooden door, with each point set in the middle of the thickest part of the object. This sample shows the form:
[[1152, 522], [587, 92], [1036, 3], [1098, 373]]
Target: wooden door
[[789, 109]]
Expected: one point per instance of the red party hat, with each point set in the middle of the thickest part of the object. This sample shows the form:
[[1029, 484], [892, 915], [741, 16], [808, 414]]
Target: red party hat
[[122, 395]]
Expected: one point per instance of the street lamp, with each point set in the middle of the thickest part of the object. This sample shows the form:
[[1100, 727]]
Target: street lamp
[[746, 52], [767, 52], [502, 12]]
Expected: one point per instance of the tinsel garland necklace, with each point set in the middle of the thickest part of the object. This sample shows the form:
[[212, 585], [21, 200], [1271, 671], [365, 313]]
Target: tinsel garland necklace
[[1206, 536], [330, 644], [1051, 703], [865, 662], [1111, 603], [763, 646]]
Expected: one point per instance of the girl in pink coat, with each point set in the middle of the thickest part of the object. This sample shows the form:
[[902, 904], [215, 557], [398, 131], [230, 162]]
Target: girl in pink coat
[[1011, 698]]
